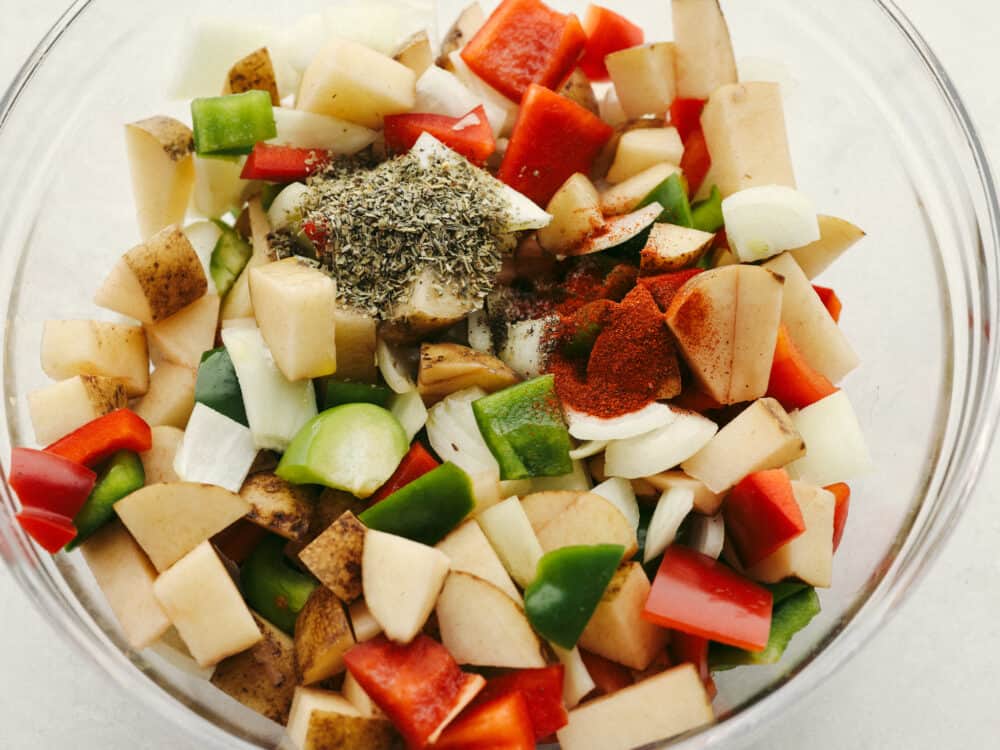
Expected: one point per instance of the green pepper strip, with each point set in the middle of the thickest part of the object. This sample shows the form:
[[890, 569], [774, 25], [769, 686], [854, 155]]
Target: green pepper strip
[[672, 194], [706, 215], [122, 475], [218, 387], [427, 508], [567, 589], [272, 587], [340, 392], [229, 256], [231, 125]]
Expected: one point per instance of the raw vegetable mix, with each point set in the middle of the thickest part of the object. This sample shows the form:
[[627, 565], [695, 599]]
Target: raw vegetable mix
[[492, 395]]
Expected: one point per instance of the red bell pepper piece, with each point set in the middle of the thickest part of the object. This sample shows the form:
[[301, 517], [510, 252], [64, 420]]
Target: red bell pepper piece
[[414, 465], [685, 115], [553, 138], [48, 482], [471, 135], [606, 674], [830, 301], [525, 42], [542, 689], [418, 686], [121, 430], [695, 161], [762, 515], [842, 496], [282, 163], [685, 647], [51, 530], [793, 381], [500, 724], [664, 286], [699, 595], [607, 32]]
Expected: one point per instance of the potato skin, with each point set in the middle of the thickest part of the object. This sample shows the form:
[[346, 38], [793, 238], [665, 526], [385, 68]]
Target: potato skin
[[168, 271], [322, 637], [447, 368], [579, 89], [334, 557], [333, 731], [255, 72], [174, 136], [284, 508]]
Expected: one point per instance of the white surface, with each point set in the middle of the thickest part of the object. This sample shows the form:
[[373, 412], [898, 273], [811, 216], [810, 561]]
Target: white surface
[[924, 683]]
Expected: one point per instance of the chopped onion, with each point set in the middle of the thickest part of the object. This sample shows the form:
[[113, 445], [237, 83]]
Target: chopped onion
[[585, 426], [409, 409], [577, 681], [588, 449], [215, 450], [619, 492], [393, 368], [286, 208], [454, 434], [707, 534], [523, 351], [660, 449], [480, 337], [672, 508]]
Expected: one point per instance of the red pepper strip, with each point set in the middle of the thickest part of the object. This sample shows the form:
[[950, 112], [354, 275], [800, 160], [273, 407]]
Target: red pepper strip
[[606, 674], [762, 515], [793, 381], [281, 163], [121, 430], [51, 483], [699, 595], [553, 138], [685, 647], [525, 42], [842, 495], [51, 530], [500, 724], [696, 161], [664, 286], [685, 115], [830, 300], [471, 135], [607, 32], [418, 686], [414, 465], [542, 689]]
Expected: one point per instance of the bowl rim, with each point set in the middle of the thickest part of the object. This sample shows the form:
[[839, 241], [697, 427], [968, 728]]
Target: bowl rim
[[740, 726]]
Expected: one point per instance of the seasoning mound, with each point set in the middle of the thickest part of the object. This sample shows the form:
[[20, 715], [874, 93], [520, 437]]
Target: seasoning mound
[[376, 230]]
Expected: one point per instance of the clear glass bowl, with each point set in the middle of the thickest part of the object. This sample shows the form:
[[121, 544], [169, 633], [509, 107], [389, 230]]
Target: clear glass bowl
[[878, 135]]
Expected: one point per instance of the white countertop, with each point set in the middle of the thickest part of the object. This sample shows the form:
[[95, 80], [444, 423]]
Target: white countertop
[[924, 683]]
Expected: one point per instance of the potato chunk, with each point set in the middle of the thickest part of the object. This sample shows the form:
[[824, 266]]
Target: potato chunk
[[322, 637], [91, 347], [415, 53], [644, 78], [335, 556], [162, 169], [323, 720], [642, 148], [671, 247], [277, 505], [158, 461], [255, 72], [704, 58], [448, 368], [355, 340], [576, 214], [182, 338], [170, 398], [58, 409]]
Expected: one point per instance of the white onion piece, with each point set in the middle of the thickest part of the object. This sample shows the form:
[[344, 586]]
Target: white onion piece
[[585, 426], [707, 534], [286, 208], [393, 368], [588, 449], [454, 434], [409, 409], [619, 493], [835, 444], [671, 510], [660, 449], [480, 336], [765, 220]]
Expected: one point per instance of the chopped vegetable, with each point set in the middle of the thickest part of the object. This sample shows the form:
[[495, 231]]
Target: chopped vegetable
[[340, 392], [542, 690], [281, 163], [836, 449], [842, 497], [229, 257], [761, 515], [766, 220], [790, 616], [503, 722], [231, 125], [469, 135], [830, 301], [685, 115], [120, 476], [672, 195], [509, 530], [217, 386], [696, 162], [793, 382], [121, 430], [272, 586], [673, 507], [414, 465], [706, 215], [52, 531], [607, 32], [49, 482], [215, 450]]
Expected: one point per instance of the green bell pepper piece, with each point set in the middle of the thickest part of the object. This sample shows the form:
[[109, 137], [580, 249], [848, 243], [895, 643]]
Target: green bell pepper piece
[[426, 509], [706, 215], [339, 392], [785, 590], [229, 256], [672, 194], [789, 616], [122, 475], [272, 587], [218, 387], [567, 589], [231, 125], [524, 429]]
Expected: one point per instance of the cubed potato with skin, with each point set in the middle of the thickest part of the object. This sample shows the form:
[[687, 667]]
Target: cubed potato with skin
[[171, 519], [576, 214], [836, 236], [469, 21], [125, 576], [58, 409], [671, 247], [415, 53], [156, 279], [363, 623], [335, 557], [644, 78], [616, 630], [761, 437], [255, 72], [92, 347], [162, 169], [355, 340], [323, 720], [835, 443], [170, 397], [809, 556], [278, 506], [704, 57], [205, 606], [182, 338], [563, 519], [448, 368], [322, 637], [706, 502], [356, 694], [425, 307], [744, 126], [158, 461], [356, 83], [626, 196], [640, 149], [510, 533], [580, 90], [470, 552]]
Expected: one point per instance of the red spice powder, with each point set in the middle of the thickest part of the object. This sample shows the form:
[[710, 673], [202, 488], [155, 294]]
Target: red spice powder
[[664, 286]]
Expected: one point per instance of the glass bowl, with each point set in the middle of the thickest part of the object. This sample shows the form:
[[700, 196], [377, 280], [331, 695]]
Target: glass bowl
[[878, 135]]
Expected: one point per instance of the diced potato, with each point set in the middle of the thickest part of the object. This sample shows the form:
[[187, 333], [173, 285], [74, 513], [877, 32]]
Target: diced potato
[[301, 129], [469, 21], [218, 187], [510, 532], [744, 126], [706, 502], [836, 236], [158, 461], [205, 606], [761, 437], [577, 682], [170, 397], [576, 214], [321, 720], [182, 338], [626, 196], [415, 53], [579, 89], [92, 347], [470, 552], [704, 55], [809, 556], [154, 280], [482, 626], [125, 575], [610, 109], [335, 557], [356, 694], [294, 304], [448, 368], [363, 623], [162, 169], [671, 247], [322, 637], [263, 677], [355, 341], [640, 149], [356, 83], [170, 520], [616, 630], [58, 409], [657, 708], [835, 444], [644, 78], [278, 506], [424, 308], [815, 334], [563, 519], [255, 72]]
